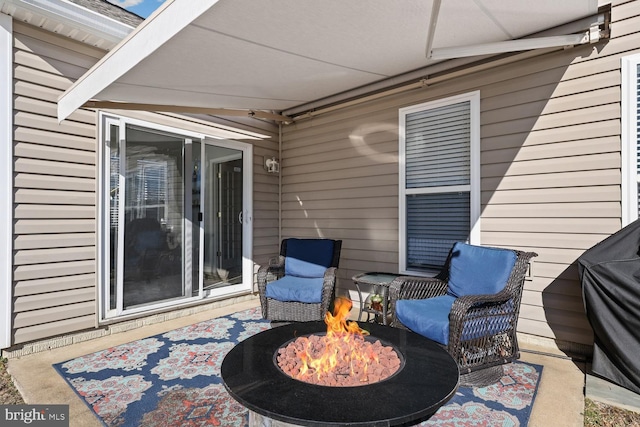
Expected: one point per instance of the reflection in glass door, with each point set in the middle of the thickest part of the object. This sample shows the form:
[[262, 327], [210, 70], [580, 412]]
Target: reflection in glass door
[[223, 217], [148, 189]]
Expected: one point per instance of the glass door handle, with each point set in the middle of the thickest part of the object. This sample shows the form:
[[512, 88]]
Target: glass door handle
[[240, 217]]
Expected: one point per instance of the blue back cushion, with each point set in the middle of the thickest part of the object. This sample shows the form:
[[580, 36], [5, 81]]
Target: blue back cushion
[[308, 257], [478, 270]]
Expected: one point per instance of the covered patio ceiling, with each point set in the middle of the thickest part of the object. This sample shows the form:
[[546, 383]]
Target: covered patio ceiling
[[265, 57]]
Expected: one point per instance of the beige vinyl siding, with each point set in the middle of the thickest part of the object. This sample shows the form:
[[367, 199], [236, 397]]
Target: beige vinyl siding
[[55, 190], [265, 203], [340, 181], [55, 183], [550, 171]]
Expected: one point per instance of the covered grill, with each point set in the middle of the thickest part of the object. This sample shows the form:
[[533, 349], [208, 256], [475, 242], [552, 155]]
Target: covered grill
[[610, 275]]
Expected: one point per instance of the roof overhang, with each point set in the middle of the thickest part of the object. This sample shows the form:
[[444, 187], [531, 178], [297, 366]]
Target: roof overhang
[[69, 20], [249, 57]]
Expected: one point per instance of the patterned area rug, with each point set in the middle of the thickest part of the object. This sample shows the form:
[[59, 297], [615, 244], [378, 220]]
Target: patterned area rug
[[173, 380]]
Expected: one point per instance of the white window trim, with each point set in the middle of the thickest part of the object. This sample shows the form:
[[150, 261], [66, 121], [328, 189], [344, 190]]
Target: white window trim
[[473, 188], [6, 190], [629, 90]]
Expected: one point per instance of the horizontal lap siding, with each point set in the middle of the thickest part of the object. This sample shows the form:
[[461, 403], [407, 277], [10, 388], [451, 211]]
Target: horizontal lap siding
[[339, 181], [550, 170], [265, 204], [55, 190]]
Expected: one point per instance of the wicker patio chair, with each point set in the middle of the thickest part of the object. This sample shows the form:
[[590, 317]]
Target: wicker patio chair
[[471, 308], [299, 285]]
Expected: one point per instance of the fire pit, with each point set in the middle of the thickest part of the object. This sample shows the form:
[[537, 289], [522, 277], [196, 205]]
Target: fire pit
[[426, 379], [360, 361]]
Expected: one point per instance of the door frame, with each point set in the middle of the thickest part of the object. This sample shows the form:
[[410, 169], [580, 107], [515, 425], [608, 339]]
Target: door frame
[[105, 314]]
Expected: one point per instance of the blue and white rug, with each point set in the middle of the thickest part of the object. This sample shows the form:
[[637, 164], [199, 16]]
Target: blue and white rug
[[173, 380]]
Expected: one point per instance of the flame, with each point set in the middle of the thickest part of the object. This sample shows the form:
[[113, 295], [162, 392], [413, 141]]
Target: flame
[[337, 323], [342, 352]]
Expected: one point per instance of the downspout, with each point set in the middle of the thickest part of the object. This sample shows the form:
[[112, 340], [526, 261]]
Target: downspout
[[280, 183]]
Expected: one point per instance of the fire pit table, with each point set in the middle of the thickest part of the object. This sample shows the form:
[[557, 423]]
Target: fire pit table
[[427, 379]]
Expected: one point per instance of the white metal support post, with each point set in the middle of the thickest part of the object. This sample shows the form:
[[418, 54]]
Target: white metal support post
[[6, 178]]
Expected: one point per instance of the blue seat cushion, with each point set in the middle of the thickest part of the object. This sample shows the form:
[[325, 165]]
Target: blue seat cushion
[[308, 257], [476, 270], [300, 289], [430, 318], [427, 317]]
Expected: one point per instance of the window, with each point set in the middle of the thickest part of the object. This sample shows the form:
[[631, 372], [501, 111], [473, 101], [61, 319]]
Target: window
[[630, 129], [439, 180]]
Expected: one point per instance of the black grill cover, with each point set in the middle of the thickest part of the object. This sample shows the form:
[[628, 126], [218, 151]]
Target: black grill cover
[[610, 276]]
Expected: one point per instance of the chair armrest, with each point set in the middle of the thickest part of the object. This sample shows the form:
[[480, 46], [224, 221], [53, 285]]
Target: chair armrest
[[328, 288], [277, 261], [330, 273], [329, 280], [468, 302], [410, 287], [413, 287], [274, 265], [270, 272], [479, 312]]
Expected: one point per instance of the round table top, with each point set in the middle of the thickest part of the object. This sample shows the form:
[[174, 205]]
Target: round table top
[[428, 380], [375, 278]]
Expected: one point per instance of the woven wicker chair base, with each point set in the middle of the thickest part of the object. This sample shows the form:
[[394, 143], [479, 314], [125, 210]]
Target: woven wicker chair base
[[293, 311], [482, 377]]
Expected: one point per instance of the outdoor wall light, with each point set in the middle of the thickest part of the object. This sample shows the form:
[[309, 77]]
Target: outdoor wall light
[[271, 165]]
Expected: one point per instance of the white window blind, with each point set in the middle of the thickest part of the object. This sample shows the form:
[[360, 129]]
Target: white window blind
[[434, 223], [437, 146]]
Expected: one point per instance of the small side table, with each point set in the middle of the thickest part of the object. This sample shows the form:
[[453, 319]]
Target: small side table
[[380, 283]]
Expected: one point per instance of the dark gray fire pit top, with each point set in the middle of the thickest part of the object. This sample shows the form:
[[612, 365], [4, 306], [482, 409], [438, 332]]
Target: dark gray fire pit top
[[428, 380]]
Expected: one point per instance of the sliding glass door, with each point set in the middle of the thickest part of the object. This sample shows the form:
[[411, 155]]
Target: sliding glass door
[[174, 227]]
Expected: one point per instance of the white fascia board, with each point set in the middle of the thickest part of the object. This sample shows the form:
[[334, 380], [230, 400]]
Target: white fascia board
[[508, 46], [142, 42], [76, 16], [6, 168]]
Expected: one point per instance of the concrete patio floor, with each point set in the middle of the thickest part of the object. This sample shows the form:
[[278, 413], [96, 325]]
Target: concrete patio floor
[[560, 399]]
